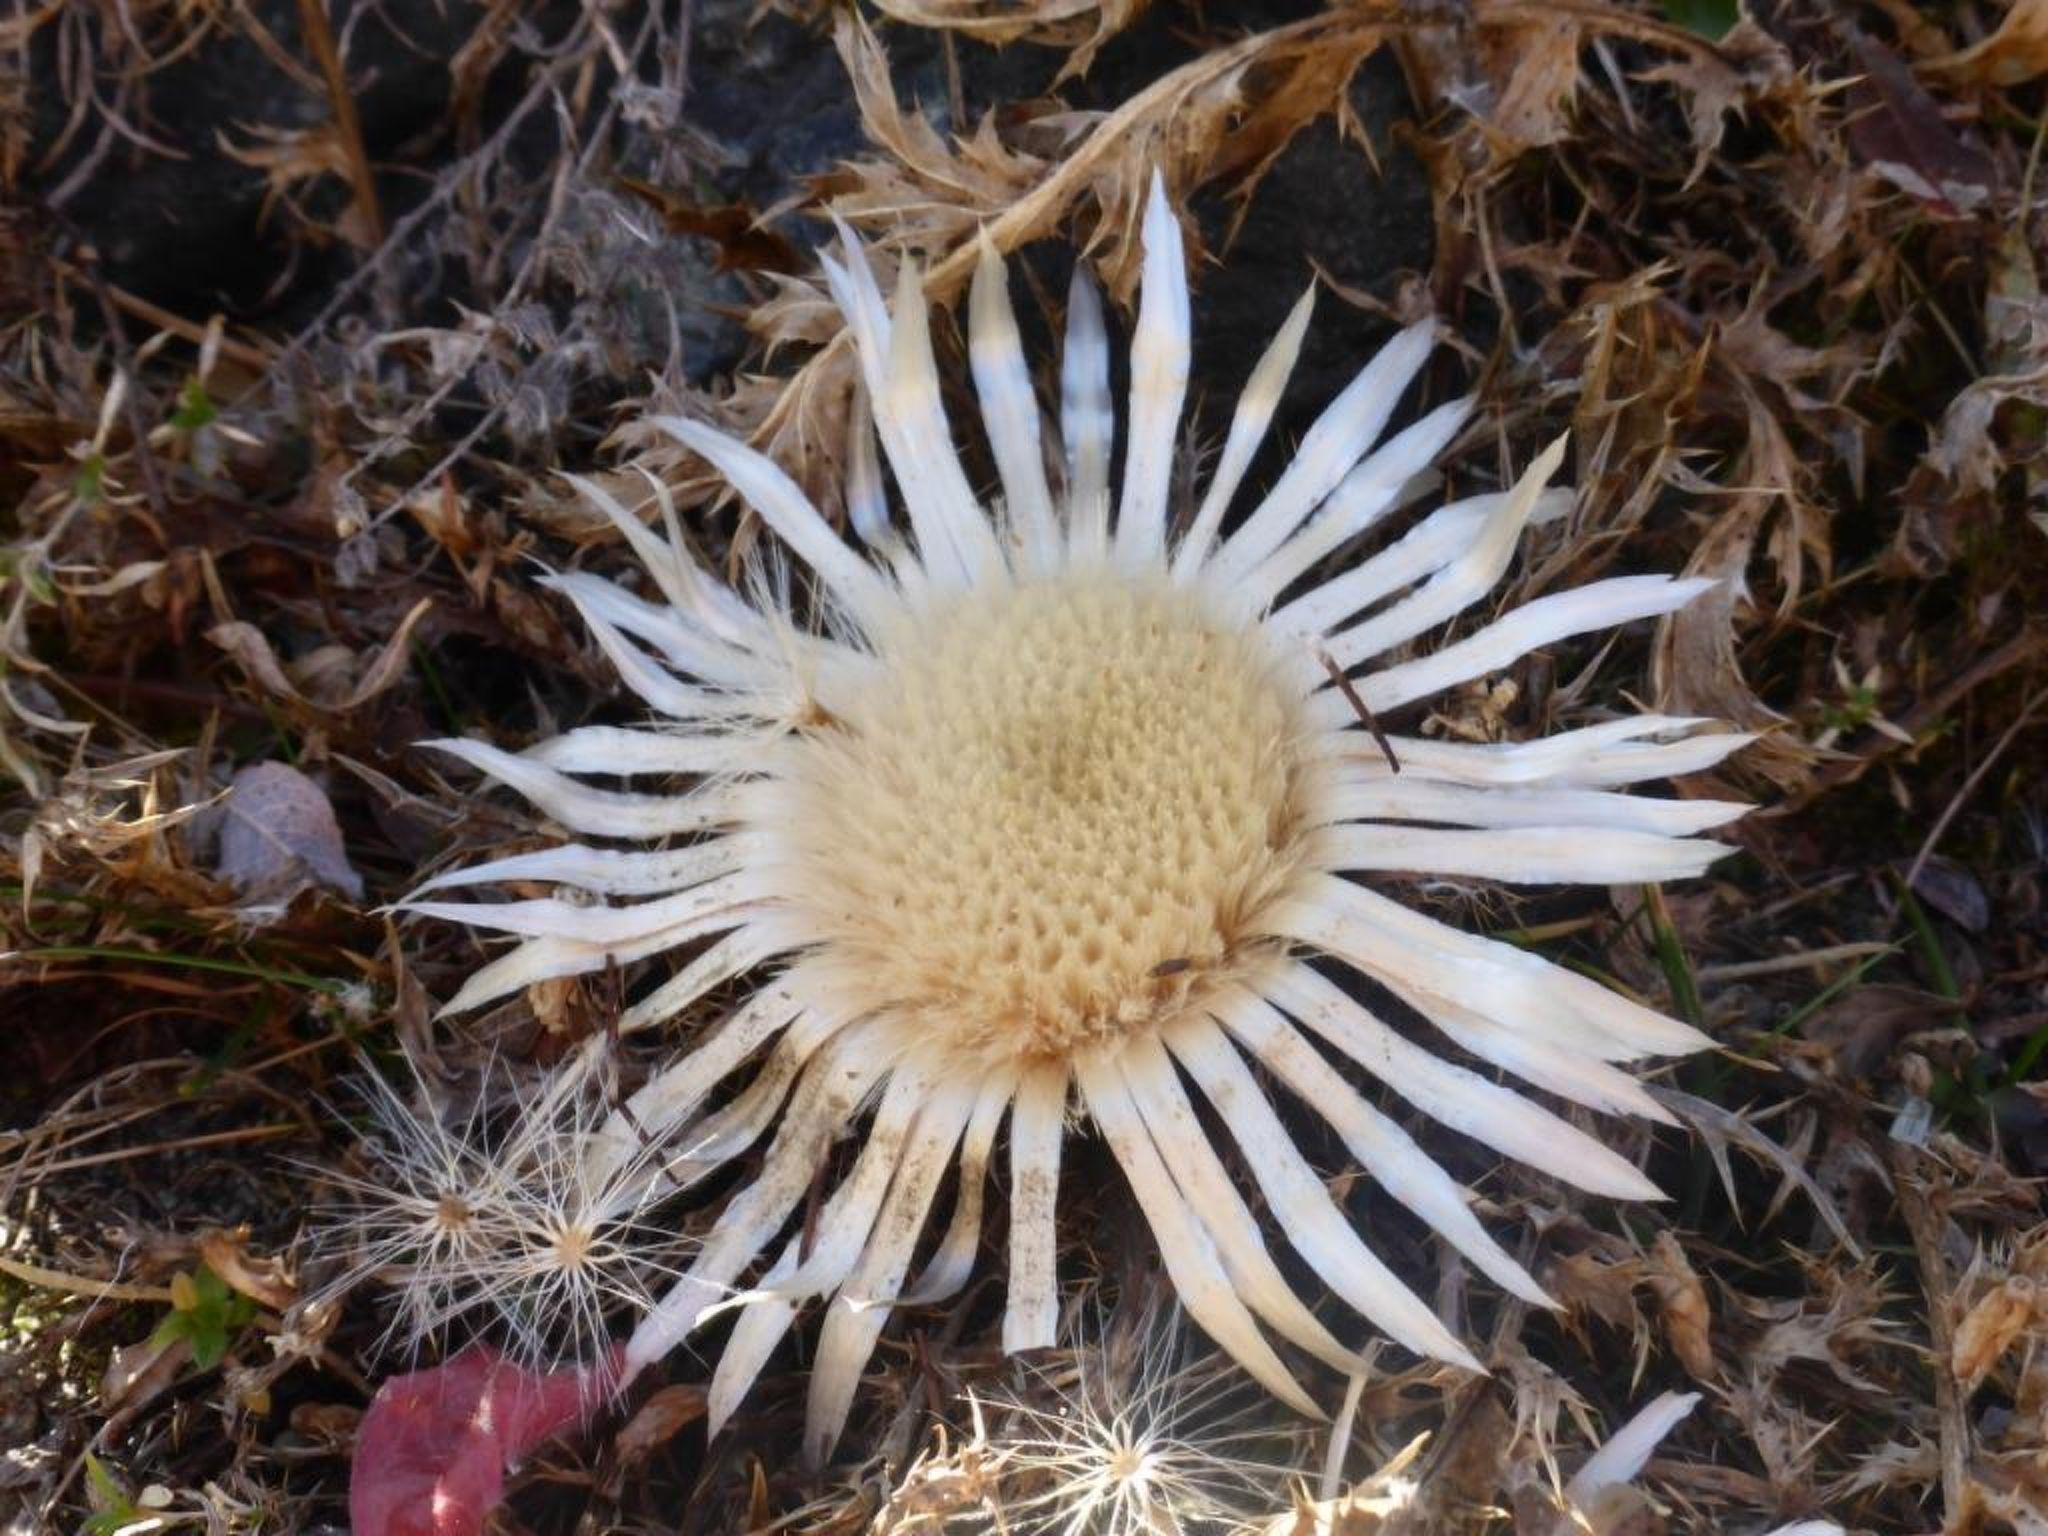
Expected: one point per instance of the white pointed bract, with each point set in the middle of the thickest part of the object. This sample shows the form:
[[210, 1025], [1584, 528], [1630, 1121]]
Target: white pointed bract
[[1057, 809]]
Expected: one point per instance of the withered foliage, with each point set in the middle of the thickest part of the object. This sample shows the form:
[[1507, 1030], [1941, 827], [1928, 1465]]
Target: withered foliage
[[302, 309]]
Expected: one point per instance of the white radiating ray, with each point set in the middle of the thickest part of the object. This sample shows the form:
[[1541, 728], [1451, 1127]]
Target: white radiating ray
[[1388, 1303], [1382, 1148], [784, 508], [1185, 1246], [1364, 496], [1425, 549], [1603, 605], [1159, 383], [1254, 414], [1328, 451], [923, 450], [1087, 424], [855, 1318], [1364, 791], [1009, 413], [859, 298], [1037, 1127], [1461, 583]]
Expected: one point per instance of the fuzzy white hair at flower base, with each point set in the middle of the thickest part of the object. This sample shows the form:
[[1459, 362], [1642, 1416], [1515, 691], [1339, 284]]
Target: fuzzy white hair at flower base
[[1065, 811]]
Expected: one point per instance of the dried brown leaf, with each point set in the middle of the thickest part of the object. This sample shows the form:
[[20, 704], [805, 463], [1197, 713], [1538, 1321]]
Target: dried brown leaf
[[1538, 65], [136, 1374], [2011, 1308], [1900, 133], [1682, 1306], [660, 1419], [1697, 665], [2016, 53], [248, 646], [1602, 1287], [1720, 1128], [1746, 66], [746, 243], [264, 1281], [278, 836], [329, 679]]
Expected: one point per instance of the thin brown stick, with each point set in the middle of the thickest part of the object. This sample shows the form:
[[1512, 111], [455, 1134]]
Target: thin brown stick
[[167, 320], [210, 1139], [80, 1285], [1936, 1284], [2020, 722], [1359, 707], [320, 38]]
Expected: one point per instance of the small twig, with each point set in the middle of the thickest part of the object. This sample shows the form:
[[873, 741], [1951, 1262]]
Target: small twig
[[1805, 959], [570, 172], [1941, 822], [183, 1143], [1359, 707], [1924, 1224], [167, 320], [320, 38], [446, 187], [79, 1285]]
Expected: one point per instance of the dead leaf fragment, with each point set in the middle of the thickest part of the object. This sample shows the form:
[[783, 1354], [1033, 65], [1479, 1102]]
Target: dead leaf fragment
[[1954, 892], [324, 682], [2016, 53], [745, 241], [1540, 63], [1991, 1327], [278, 837], [1682, 1305], [1901, 134], [263, 1280], [660, 1419], [137, 1373], [329, 1425]]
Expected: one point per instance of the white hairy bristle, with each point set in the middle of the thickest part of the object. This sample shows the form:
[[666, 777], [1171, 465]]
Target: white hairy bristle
[[522, 1221], [1130, 1432], [1047, 817], [1075, 801]]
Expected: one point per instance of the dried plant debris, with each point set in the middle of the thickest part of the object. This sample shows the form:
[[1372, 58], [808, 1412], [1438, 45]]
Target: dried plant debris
[[309, 308]]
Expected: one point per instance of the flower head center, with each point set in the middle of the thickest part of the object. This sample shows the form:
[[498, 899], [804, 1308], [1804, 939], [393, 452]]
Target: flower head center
[[574, 1245], [1049, 818], [452, 1214]]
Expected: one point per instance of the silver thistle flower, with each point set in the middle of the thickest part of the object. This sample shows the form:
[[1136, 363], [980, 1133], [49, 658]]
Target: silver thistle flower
[[1055, 809]]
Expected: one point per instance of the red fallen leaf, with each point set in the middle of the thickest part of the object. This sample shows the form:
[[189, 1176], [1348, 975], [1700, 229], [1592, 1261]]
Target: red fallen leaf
[[433, 1449]]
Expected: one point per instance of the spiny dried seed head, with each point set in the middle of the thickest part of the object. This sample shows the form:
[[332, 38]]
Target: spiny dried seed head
[[1131, 1433], [526, 1223], [1048, 817]]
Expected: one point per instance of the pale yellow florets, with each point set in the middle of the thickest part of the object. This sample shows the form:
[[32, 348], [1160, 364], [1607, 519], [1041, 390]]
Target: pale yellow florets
[[1047, 819]]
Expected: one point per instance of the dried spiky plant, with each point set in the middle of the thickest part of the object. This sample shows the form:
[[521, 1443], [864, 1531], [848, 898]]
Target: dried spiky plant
[[1050, 805]]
